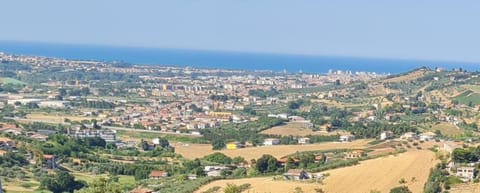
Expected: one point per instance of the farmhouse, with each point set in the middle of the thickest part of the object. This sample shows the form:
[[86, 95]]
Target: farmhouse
[[214, 173], [156, 174], [107, 135], [355, 154], [409, 135], [346, 138], [386, 135], [10, 128], [49, 161], [192, 176], [466, 173], [283, 161], [271, 141], [296, 174], [427, 136], [303, 140]]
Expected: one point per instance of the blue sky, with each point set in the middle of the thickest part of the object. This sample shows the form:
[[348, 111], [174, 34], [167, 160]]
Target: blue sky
[[407, 29]]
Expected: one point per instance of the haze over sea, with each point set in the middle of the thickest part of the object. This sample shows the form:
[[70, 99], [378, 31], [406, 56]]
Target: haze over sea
[[222, 59]]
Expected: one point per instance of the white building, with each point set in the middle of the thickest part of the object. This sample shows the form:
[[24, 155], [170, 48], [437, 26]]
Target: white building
[[427, 136], [409, 135], [346, 138], [466, 173], [271, 141], [386, 135], [107, 135], [53, 104], [304, 140]]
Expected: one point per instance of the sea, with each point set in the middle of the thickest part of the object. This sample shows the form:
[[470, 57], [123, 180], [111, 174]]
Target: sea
[[224, 59]]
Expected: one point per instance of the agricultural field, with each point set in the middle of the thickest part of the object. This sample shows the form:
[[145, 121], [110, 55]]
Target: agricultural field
[[20, 186], [408, 77], [465, 188], [124, 180], [295, 129], [57, 118], [447, 129], [192, 151], [469, 97], [263, 185], [382, 174], [474, 88], [12, 81]]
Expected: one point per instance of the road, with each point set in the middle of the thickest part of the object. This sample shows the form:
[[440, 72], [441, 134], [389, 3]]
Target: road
[[106, 127], [149, 131]]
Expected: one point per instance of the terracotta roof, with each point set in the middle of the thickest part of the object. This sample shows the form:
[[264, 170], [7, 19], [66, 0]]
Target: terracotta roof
[[285, 159], [48, 156], [157, 173], [9, 126]]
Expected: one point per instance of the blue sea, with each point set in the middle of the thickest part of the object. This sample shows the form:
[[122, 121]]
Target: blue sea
[[221, 59]]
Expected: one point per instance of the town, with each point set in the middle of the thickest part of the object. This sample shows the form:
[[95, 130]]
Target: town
[[75, 125]]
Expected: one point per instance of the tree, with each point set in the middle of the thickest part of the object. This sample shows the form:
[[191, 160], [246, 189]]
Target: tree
[[163, 142], [218, 157], [266, 164], [232, 188], [60, 182], [144, 145], [218, 144], [62, 92], [239, 160], [401, 189]]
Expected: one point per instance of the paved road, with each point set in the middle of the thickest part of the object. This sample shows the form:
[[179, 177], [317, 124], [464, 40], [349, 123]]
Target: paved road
[[106, 127], [148, 131]]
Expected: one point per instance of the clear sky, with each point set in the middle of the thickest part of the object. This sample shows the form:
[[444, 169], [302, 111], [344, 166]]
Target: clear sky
[[408, 29]]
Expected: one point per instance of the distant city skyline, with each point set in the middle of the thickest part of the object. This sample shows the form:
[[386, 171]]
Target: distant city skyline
[[420, 30]]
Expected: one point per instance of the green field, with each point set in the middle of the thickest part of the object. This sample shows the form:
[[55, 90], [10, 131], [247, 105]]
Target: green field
[[469, 97], [12, 81]]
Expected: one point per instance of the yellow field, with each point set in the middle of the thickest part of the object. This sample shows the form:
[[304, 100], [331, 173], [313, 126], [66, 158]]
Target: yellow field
[[55, 118], [193, 151], [264, 185], [383, 173], [465, 188], [295, 129], [408, 77]]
